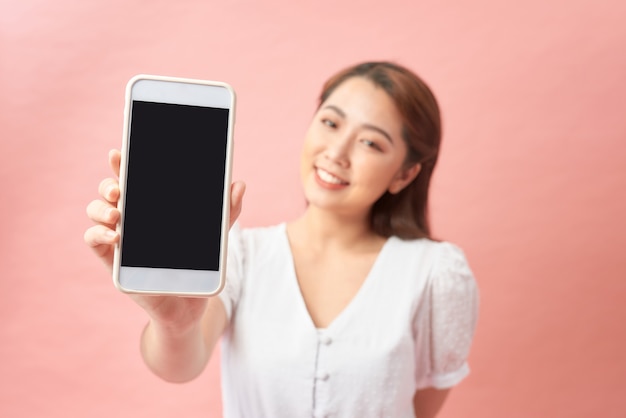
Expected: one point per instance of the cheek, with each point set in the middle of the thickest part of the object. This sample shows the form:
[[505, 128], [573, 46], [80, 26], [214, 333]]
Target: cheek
[[378, 172], [307, 157], [310, 144], [381, 179]]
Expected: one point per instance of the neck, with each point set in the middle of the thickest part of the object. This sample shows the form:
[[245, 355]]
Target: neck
[[323, 229]]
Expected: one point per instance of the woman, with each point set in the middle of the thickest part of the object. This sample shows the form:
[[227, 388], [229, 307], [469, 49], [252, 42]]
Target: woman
[[350, 310]]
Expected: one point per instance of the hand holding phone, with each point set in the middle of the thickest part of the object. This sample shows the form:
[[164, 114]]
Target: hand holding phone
[[102, 238], [173, 197]]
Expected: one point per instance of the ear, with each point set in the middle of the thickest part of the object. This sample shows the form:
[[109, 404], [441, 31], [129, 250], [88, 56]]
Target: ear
[[404, 177]]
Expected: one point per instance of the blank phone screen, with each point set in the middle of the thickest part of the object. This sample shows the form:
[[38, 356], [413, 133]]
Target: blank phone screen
[[174, 186]]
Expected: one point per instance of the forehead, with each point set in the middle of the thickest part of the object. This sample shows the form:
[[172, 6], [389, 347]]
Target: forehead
[[363, 101]]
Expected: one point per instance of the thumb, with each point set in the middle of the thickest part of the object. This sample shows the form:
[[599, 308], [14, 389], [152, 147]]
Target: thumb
[[237, 190]]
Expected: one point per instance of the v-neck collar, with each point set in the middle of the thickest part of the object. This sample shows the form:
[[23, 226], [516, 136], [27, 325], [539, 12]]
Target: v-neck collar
[[353, 305]]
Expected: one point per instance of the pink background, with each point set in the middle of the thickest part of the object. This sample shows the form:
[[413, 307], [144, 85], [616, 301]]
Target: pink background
[[531, 183]]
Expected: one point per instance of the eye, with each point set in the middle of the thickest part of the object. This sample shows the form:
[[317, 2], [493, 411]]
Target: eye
[[371, 144], [329, 123]]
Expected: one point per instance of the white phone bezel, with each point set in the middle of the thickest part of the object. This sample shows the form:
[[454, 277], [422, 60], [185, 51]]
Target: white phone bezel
[[159, 281]]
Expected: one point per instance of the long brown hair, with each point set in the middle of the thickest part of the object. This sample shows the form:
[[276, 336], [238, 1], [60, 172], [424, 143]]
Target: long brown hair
[[404, 214]]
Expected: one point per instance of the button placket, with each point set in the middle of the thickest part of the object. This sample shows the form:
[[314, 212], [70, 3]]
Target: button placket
[[324, 341], [322, 376]]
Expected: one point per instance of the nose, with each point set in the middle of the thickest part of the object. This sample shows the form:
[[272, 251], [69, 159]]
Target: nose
[[338, 150]]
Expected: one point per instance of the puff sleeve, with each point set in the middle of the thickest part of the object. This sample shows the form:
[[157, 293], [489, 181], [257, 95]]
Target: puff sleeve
[[447, 321]]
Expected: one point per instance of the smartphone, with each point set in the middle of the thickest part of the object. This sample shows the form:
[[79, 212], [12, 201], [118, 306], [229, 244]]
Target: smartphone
[[174, 181]]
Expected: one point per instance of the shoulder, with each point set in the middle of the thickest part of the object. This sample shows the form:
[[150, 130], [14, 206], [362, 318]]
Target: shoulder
[[249, 241], [263, 231], [443, 265], [441, 254], [452, 288], [259, 234], [247, 247], [451, 262], [451, 270]]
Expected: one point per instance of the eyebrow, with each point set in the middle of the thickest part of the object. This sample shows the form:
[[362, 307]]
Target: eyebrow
[[365, 125]]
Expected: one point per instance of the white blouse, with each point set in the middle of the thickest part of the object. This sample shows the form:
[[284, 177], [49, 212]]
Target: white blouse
[[409, 327]]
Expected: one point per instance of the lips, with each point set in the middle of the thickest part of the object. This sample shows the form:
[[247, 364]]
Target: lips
[[329, 178]]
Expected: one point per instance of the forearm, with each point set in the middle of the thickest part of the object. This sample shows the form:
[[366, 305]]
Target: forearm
[[175, 356]]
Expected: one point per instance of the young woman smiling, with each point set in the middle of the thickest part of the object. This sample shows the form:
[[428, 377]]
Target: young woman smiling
[[350, 310]]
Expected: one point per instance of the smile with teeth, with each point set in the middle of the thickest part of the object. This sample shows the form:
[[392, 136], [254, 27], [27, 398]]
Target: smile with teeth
[[329, 178]]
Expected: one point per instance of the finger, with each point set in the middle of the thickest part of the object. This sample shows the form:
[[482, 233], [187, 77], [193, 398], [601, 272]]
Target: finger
[[109, 189], [237, 191], [103, 213], [115, 158], [100, 235]]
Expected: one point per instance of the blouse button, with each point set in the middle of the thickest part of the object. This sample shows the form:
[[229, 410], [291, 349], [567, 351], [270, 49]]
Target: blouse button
[[322, 376], [325, 339]]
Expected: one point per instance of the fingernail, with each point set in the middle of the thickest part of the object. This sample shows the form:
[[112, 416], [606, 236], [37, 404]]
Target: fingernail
[[110, 233]]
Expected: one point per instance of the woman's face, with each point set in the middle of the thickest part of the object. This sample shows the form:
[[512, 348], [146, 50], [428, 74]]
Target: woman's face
[[354, 152]]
